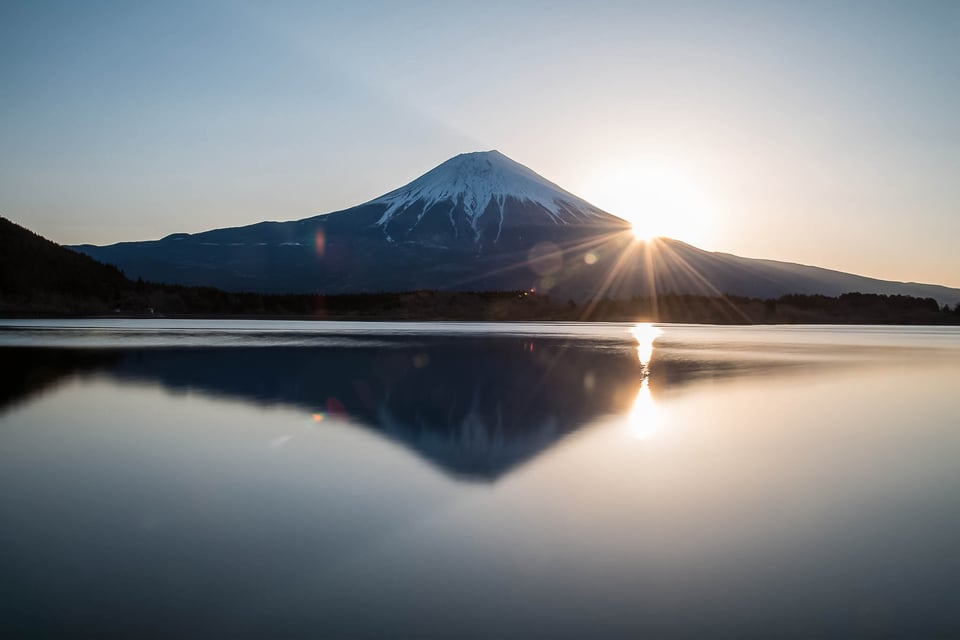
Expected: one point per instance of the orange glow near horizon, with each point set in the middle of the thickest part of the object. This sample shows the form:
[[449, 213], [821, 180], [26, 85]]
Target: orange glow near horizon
[[656, 199]]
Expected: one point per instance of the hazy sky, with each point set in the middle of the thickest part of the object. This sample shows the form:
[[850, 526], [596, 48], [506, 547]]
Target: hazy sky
[[826, 133]]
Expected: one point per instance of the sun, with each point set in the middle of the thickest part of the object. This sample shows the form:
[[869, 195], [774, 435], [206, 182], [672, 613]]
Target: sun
[[655, 198], [641, 232]]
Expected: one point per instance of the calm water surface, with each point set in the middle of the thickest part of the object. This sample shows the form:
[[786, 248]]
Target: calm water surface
[[454, 480]]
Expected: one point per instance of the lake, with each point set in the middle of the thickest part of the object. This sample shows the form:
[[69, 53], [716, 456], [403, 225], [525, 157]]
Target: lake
[[234, 479]]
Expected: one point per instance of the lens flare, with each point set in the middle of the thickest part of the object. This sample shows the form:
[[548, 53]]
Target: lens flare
[[320, 243]]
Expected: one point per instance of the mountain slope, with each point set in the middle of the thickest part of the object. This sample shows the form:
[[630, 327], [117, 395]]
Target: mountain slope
[[41, 275], [771, 278], [479, 221]]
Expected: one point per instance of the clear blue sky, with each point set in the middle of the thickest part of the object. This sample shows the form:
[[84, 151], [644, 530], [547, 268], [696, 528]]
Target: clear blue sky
[[817, 132]]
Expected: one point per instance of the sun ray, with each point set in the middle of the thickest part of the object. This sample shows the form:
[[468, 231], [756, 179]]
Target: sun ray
[[648, 256], [712, 291], [615, 270]]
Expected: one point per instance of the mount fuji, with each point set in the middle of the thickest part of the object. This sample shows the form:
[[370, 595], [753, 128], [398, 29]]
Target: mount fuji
[[479, 221]]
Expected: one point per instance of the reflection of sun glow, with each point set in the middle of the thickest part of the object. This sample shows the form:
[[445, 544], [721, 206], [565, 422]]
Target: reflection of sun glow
[[646, 334], [643, 419]]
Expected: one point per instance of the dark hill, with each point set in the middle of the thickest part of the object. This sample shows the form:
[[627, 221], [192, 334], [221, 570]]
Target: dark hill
[[44, 277]]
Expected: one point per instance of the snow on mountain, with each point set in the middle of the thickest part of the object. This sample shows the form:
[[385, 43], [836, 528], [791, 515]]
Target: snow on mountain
[[481, 183]]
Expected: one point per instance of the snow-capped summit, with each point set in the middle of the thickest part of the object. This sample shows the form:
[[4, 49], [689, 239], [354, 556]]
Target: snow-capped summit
[[480, 188]]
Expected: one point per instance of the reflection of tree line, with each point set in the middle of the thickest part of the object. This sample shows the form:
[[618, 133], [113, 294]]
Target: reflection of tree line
[[473, 406], [28, 372]]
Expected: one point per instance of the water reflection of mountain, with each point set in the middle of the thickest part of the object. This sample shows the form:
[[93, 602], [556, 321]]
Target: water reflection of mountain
[[474, 406]]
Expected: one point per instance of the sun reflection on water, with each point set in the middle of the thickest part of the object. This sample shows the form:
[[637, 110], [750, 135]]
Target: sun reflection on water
[[646, 334], [643, 419]]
